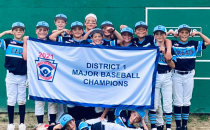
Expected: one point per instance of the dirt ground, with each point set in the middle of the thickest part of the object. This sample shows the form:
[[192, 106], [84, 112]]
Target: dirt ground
[[196, 121]]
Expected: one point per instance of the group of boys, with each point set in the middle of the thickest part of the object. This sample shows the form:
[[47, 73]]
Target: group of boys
[[175, 73]]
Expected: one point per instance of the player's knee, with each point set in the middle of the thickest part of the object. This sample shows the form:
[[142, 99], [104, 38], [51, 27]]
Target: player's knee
[[21, 103]]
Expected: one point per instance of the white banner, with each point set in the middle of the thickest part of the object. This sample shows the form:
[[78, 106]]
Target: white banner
[[87, 75]]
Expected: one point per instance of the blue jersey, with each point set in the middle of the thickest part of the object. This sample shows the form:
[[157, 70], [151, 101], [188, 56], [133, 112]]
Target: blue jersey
[[148, 41], [14, 61], [73, 41], [186, 54], [110, 42], [162, 64], [122, 118]]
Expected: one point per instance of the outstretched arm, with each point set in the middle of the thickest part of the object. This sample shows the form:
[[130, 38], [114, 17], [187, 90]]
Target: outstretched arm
[[6, 32], [205, 38]]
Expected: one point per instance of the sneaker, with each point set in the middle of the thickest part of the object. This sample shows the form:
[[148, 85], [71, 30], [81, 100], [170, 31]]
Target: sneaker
[[179, 128], [22, 126], [168, 129], [11, 127], [154, 129], [184, 127], [160, 127]]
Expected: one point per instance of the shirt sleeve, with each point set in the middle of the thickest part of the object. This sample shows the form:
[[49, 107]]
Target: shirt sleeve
[[3, 44], [173, 55], [200, 46]]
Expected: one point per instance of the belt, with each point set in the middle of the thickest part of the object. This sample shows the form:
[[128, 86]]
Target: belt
[[163, 72], [182, 72]]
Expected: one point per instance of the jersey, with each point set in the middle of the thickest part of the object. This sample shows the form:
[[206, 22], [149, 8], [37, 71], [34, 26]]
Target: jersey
[[162, 64], [74, 41], [122, 118], [14, 61], [186, 54], [148, 41], [110, 42], [60, 37]]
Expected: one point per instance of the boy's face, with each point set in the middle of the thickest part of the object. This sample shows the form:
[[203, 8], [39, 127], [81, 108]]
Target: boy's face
[[77, 32], [18, 32], [106, 33], [134, 118], [71, 125], [160, 36], [184, 35], [90, 23], [42, 33], [141, 32], [127, 37], [60, 24], [97, 38]]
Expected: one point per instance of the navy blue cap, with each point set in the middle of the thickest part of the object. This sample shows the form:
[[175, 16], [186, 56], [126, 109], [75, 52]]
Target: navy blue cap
[[42, 24], [96, 30], [61, 16], [76, 24], [18, 25], [83, 125], [141, 24], [65, 119], [127, 29], [184, 26], [106, 23], [159, 28]]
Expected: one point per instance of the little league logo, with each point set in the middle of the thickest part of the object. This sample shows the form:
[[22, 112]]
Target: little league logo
[[46, 69]]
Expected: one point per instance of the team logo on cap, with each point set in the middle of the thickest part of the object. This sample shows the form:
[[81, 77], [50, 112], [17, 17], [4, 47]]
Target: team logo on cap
[[46, 69]]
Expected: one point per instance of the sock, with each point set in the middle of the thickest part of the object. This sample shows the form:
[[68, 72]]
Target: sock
[[152, 117], [168, 118], [185, 115], [177, 115], [10, 113], [52, 118], [22, 111], [40, 119]]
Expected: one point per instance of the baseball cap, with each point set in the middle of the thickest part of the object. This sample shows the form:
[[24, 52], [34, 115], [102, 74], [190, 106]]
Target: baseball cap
[[42, 24], [96, 30], [83, 125], [159, 28], [127, 29], [18, 25], [141, 24], [61, 16], [141, 113], [76, 24], [65, 118], [106, 23], [184, 26], [91, 15]]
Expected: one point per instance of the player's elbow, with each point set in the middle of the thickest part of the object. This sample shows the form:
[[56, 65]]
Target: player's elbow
[[52, 38]]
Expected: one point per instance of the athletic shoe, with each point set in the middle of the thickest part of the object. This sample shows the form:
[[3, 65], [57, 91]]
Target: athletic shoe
[[22, 126], [11, 127], [160, 127], [184, 127], [154, 129], [168, 129], [179, 128]]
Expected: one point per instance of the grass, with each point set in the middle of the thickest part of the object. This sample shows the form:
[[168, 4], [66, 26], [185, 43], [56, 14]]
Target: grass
[[203, 118]]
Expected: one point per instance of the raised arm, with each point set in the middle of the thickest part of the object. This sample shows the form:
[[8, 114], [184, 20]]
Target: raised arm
[[104, 114], [25, 38], [205, 38], [85, 37], [54, 35], [6, 32], [116, 33], [168, 45]]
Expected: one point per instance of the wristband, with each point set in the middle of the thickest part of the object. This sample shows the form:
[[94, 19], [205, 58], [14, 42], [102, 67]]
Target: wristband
[[113, 30]]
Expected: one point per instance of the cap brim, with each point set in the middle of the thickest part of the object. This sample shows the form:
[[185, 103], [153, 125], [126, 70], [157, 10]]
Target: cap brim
[[77, 26], [106, 25], [188, 29], [97, 31], [42, 26], [18, 27], [158, 30], [56, 18], [144, 26]]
